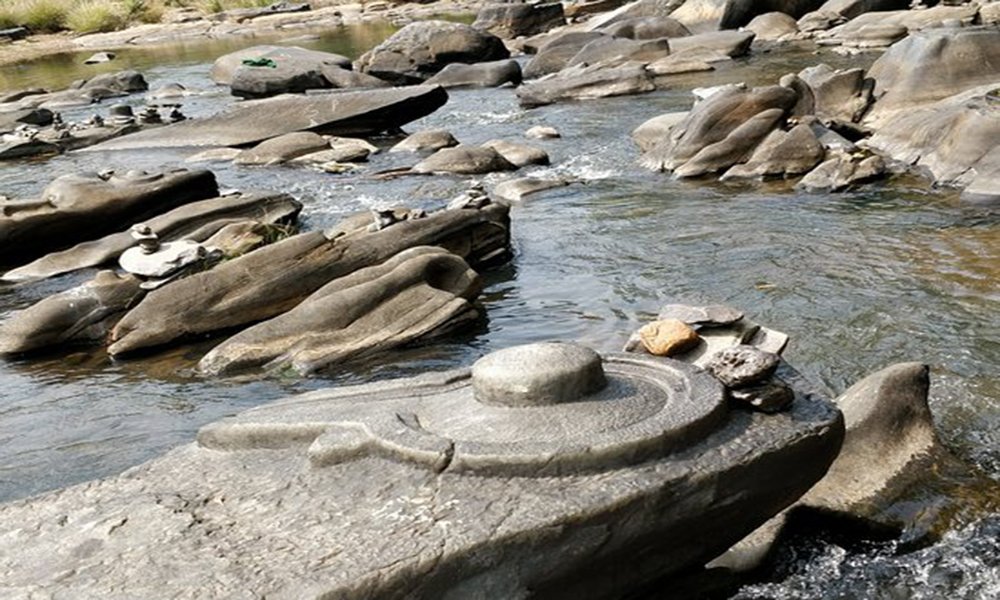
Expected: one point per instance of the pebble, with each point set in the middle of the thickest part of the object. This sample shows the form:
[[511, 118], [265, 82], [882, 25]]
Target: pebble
[[667, 337], [713, 314], [768, 397]]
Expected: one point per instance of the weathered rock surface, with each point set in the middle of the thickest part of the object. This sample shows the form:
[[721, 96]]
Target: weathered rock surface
[[724, 128], [519, 155], [511, 20], [712, 315], [714, 44], [274, 279], [83, 314], [556, 53], [842, 94], [781, 154], [282, 149], [420, 292], [646, 28], [421, 49], [486, 74], [610, 51], [932, 65], [196, 221], [880, 29], [742, 366], [843, 171], [464, 159], [288, 61], [773, 26], [83, 92], [436, 493], [892, 475], [428, 140], [339, 150], [651, 132], [74, 208], [516, 190], [337, 113], [953, 139], [586, 83]]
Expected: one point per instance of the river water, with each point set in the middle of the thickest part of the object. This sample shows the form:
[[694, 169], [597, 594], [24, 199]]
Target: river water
[[893, 272]]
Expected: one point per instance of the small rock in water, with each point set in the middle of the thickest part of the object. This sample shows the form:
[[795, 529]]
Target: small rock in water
[[100, 57], [541, 132], [711, 315], [769, 397], [667, 337], [742, 365]]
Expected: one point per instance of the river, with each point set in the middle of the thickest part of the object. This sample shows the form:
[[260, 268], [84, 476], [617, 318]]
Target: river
[[892, 272]]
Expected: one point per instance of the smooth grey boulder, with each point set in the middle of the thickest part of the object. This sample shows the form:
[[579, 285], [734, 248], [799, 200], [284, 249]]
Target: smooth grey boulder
[[282, 149], [984, 188], [74, 208], [782, 154], [486, 74], [288, 60], [731, 44], [610, 51], [853, 8], [428, 140], [646, 28], [554, 54], [519, 155], [953, 140], [345, 78], [339, 150], [893, 476], [337, 113], [274, 279], [196, 221], [421, 49], [515, 19], [736, 147], [636, 9], [586, 83], [464, 159], [932, 65], [419, 293], [883, 28], [842, 171], [738, 13], [773, 26], [83, 314], [125, 82], [10, 121], [647, 135], [515, 190], [841, 94], [713, 120], [436, 493]]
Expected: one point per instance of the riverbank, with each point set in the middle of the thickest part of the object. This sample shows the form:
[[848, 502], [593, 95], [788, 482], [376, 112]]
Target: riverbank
[[193, 26]]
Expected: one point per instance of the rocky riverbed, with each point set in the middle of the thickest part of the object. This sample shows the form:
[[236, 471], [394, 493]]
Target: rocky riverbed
[[874, 265]]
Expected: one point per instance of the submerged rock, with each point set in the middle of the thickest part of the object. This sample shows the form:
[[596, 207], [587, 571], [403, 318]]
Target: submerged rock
[[466, 160], [519, 155], [74, 208], [83, 314], [428, 140], [487, 74], [419, 293], [516, 190], [336, 113], [843, 171], [443, 485], [274, 279]]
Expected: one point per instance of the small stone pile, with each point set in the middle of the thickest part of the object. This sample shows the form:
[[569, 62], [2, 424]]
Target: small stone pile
[[741, 354]]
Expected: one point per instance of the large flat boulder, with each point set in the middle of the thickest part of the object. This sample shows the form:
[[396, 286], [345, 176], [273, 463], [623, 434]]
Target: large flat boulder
[[196, 221], [74, 208], [421, 49], [261, 71], [556, 53], [486, 74], [585, 83], [545, 470], [337, 113], [419, 293], [274, 279]]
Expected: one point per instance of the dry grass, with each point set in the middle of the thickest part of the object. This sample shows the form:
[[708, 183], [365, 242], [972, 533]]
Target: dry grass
[[88, 16]]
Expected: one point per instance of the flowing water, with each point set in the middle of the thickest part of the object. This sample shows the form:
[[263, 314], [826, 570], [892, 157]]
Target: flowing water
[[860, 280]]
